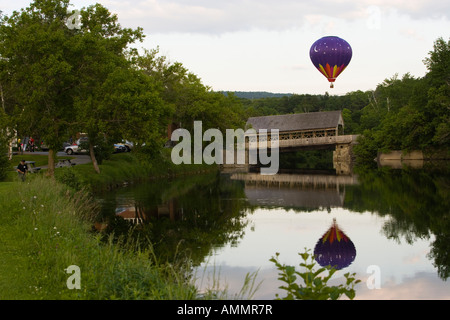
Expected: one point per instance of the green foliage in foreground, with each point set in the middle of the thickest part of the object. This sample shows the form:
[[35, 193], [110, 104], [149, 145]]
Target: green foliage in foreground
[[315, 286], [45, 229]]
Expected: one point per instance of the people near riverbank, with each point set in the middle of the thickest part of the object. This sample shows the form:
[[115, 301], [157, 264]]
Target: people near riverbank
[[31, 144], [22, 170], [25, 144]]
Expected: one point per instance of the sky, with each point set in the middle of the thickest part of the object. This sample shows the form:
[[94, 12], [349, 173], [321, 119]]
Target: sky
[[263, 45]]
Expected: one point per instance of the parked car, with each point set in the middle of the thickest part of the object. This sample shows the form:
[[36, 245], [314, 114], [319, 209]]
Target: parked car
[[75, 148], [119, 148], [127, 144]]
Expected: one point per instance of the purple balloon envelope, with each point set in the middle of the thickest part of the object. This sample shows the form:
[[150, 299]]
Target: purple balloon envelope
[[331, 55]]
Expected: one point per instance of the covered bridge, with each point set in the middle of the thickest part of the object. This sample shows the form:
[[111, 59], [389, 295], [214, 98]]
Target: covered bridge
[[301, 125]]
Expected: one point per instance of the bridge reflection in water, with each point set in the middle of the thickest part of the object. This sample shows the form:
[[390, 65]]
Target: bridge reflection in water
[[295, 190], [334, 248]]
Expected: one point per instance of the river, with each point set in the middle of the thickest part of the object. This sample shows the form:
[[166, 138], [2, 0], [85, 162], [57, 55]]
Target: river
[[395, 224]]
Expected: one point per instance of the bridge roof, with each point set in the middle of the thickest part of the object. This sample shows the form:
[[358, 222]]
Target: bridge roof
[[298, 121]]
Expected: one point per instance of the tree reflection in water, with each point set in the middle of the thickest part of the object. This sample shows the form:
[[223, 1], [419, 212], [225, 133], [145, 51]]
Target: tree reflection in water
[[417, 203], [179, 219]]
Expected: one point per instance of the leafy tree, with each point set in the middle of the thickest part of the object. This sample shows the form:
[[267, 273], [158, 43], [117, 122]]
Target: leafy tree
[[410, 113], [438, 63], [60, 80], [35, 47], [115, 101]]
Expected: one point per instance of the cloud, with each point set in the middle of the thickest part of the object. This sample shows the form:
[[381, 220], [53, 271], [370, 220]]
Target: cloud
[[217, 17], [416, 9], [420, 286]]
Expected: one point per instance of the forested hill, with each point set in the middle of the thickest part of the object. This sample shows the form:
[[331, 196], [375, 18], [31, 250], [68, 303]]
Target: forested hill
[[257, 94]]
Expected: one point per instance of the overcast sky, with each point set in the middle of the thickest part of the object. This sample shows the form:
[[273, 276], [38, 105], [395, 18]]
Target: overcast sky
[[263, 45]]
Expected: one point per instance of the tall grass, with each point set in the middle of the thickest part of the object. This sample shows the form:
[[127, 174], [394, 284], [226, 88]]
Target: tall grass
[[45, 229], [216, 289]]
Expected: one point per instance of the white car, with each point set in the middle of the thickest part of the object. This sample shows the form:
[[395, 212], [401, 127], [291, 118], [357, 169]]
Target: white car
[[126, 144], [75, 148]]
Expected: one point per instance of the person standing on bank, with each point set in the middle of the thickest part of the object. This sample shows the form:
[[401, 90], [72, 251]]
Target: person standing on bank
[[22, 170], [31, 143]]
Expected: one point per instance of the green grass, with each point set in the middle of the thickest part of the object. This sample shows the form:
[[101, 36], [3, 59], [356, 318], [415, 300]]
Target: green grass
[[125, 167], [5, 186], [39, 159], [44, 230]]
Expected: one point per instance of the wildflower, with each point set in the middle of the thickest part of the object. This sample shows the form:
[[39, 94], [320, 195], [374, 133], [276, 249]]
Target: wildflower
[[35, 229]]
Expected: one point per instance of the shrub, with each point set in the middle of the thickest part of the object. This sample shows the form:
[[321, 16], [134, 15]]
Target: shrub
[[69, 177], [315, 287]]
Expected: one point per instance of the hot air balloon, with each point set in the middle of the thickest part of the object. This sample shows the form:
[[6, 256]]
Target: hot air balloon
[[331, 55], [335, 248]]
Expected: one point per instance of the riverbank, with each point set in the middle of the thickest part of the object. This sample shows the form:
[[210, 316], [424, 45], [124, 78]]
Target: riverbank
[[126, 168], [45, 229]]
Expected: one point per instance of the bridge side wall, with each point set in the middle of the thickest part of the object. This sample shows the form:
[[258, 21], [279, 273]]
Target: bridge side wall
[[342, 156]]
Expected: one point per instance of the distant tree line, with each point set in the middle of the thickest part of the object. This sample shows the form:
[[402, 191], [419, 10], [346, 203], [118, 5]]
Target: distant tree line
[[257, 94]]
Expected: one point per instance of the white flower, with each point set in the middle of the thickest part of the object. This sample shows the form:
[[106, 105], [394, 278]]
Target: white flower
[[35, 229]]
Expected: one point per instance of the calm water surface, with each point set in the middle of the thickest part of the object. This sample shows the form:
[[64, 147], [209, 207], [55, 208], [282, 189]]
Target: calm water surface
[[391, 225]]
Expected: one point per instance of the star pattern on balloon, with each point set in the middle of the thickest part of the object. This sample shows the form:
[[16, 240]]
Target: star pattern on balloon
[[331, 55]]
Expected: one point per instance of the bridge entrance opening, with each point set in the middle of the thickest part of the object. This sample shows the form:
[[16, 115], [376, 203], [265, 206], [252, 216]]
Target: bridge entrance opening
[[307, 159]]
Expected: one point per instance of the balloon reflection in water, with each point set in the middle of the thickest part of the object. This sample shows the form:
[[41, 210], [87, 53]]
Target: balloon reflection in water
[[335, 248]]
